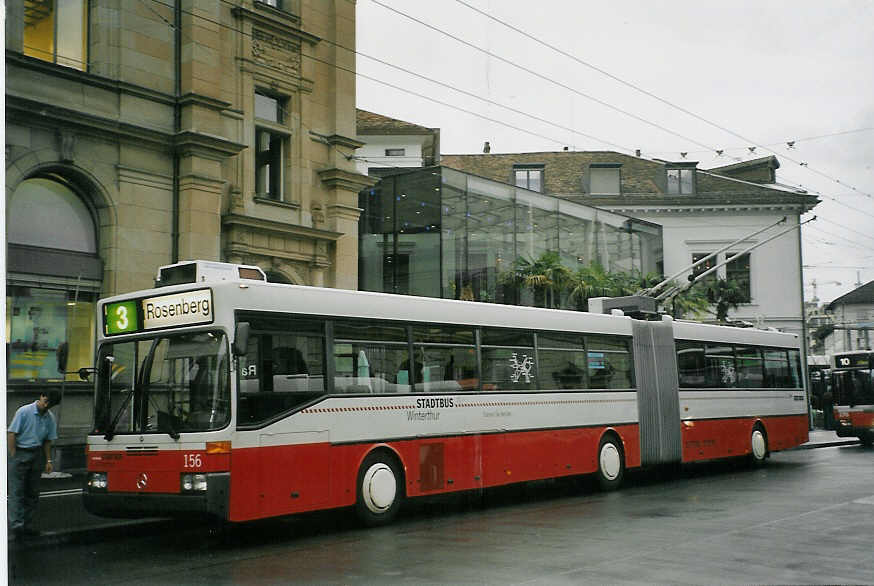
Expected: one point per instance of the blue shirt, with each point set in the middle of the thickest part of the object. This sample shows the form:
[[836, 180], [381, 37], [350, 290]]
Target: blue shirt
[[31, 429]]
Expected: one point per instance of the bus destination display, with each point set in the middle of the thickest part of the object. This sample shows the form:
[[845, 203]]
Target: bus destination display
[[164, 311]]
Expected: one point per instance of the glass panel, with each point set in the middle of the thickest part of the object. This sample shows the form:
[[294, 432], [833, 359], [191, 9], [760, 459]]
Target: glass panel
[[738, 270], [443, 334], [417, 200], [371, 367], [39, 33], [610, 370], [376, 233], [777, 373], [369, 330], [43, 323], [673, 176], [71, 31], [687, 181], [690, 364], [453, 209], [49, 214], [750, 370], [720, 369], [535, 180], [509, 369], [279, 373], [604, 180], [268, 164], [446, 369], [521, 178], [559, 340], [185, 385], [562, 369], [795, 368], [609, 343], [490, 222], [500, 337], [267, 108]]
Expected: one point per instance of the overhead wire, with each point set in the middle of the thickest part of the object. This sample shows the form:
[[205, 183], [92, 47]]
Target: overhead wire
[[643, 91], [476, 114]]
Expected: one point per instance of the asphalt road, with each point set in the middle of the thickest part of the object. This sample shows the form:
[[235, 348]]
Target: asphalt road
[[806, 517]]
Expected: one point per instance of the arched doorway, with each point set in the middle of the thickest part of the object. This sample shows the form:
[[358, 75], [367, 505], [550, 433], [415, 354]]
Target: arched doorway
[[54, 275]]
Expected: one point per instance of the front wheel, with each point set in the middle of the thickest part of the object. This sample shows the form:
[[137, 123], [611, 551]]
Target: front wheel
[[380, 490], [611, 463]]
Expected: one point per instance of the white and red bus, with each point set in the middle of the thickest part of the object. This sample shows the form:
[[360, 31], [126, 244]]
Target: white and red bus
[[852, 378], [244, 399]]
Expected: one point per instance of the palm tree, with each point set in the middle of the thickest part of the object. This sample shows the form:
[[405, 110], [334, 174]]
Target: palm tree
[[545, 276], [725, 295]]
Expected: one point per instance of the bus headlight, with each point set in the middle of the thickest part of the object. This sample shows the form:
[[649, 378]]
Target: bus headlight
[[194, 483], [97, 480]]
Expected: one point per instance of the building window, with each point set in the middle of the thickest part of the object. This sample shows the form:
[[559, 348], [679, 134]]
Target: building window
[[395, 152], [273, 3], [271, 145], [738, 270], [56, 31], [681, 181], [704, 267], [529, 177], [604, 179]]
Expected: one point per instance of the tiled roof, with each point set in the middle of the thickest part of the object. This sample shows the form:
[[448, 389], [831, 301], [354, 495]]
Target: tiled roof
[[643, 180], [864, 294], [370, 123]]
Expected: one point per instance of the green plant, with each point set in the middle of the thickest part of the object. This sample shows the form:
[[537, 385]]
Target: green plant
[[725, 295]]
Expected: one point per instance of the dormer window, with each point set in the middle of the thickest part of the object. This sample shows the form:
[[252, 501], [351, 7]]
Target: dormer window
[[529, 177], [680, 181], [605, 178]]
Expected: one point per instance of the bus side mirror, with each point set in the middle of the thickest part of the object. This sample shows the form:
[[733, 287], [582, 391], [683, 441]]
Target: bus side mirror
[[241, 339], [85, 372]]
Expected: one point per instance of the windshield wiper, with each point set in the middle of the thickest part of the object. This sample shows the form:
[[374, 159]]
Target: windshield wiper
[[110, 431], [165, 420]]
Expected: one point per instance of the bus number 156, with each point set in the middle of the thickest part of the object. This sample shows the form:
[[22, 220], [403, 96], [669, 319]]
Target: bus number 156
[[192, 461]]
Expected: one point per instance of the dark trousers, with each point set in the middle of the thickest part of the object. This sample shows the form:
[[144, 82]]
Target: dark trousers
[[24, 473]]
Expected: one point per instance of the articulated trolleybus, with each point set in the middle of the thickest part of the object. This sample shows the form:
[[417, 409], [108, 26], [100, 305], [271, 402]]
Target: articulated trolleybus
[[218, 393], [853, 389]]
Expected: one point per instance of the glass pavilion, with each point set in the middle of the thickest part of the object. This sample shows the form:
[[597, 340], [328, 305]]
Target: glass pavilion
[[438, 232]]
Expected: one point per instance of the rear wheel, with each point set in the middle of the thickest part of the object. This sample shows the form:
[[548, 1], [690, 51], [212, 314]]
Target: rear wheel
[[611, 463], [758, 446], [380, 489]]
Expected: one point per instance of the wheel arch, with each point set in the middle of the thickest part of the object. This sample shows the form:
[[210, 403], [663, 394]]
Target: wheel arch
[[390, 452]]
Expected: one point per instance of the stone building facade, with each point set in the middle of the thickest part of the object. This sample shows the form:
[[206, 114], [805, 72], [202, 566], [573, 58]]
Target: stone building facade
[[139, 134]]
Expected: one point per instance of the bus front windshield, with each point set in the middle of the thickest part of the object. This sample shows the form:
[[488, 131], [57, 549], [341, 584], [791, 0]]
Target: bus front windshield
[[854, 387], [164, 384]]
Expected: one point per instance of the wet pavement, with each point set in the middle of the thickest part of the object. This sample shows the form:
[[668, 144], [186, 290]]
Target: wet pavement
[[62, 518]]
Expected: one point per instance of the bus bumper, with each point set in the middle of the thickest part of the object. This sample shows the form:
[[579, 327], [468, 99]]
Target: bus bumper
[[213, 502]]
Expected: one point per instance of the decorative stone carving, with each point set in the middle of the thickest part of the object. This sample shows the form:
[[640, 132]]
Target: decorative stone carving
[[318, 213], [276, 52], [66, 145]]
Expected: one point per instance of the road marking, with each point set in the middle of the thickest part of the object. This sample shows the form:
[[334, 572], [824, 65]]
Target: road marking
[[868, 500], [55, 493]]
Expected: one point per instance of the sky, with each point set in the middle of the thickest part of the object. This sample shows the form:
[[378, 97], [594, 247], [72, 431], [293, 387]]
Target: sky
[[667, 78]]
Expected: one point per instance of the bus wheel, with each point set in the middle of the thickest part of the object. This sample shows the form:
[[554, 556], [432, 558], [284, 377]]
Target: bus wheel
[[611, 463], [758, 446], [380, 489], [867, 438]]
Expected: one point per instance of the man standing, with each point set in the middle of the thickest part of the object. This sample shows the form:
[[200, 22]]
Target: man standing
[[30, 438]]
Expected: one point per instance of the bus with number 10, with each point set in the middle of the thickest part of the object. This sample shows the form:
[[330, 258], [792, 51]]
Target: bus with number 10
[[852, 378], [218, 393]]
